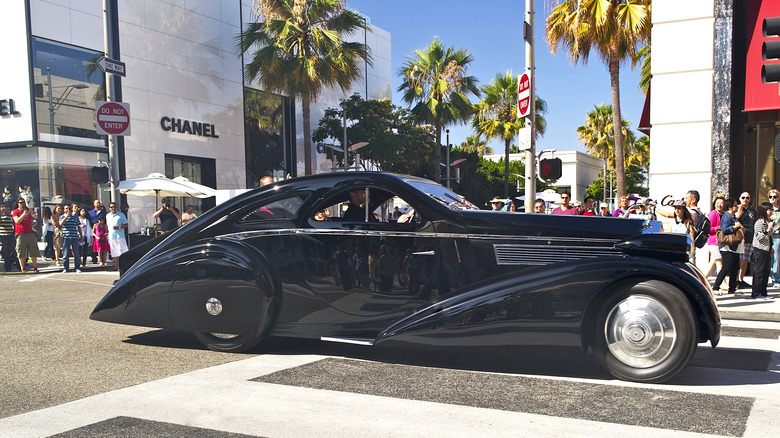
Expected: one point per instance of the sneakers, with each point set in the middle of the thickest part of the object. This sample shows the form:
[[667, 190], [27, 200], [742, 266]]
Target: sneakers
[[78, 271], [64, 271], [764, 297]]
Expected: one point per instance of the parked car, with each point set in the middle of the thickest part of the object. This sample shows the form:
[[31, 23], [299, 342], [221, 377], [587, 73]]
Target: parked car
[[289, 259]]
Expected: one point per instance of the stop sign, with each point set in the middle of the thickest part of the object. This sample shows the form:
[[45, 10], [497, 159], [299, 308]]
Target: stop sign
[[113, 118], [524, 95]]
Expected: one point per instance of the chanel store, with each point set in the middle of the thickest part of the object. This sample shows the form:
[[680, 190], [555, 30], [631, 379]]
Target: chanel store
[[191, 112]]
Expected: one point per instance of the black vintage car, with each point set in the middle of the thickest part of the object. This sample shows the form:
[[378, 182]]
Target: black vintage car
[[317, 257]]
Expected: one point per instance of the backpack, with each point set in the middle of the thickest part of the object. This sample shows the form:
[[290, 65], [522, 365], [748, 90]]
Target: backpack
[[701, 233]]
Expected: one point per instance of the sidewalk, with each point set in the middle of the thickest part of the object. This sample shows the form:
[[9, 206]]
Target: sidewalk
[[50, 266], [741, 306]]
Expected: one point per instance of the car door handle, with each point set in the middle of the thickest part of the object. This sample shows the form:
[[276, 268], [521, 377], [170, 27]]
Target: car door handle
[[425, 253]]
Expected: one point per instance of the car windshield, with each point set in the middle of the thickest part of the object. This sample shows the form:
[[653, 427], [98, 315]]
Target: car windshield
[[441, 194]]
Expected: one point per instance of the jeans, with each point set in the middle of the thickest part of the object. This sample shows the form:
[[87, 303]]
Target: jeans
[[70, 246], [760, 272], [774, 266], [49, 239], [730, 268], [9, 252]]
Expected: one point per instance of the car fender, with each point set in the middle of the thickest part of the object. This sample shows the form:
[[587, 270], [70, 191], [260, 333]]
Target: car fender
[[564, 294], [159, 291]]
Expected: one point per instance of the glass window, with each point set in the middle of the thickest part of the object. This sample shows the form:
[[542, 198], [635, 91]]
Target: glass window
[[67, 83], [265, 136], [281, 209]]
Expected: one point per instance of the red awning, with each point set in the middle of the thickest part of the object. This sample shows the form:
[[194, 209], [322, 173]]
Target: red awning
[[644, 121]]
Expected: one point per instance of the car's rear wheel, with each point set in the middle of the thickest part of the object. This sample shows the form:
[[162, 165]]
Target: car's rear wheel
[[645, 333], [226, 342]]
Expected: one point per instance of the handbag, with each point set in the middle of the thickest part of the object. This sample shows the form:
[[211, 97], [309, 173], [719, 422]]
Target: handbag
[[730, 239]]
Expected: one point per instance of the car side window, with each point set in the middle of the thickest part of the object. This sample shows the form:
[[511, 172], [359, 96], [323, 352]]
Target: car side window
[[349, 207], [280, 209]]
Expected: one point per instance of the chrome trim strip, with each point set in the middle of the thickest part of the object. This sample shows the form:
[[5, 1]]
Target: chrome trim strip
[[535, 241], [515, 254], [347, 340]]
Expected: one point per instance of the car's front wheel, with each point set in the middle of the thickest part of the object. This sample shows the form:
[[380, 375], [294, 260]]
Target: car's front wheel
[[645, 333], [226, 342]]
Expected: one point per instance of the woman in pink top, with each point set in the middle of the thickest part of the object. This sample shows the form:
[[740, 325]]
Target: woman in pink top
[[712, 242]]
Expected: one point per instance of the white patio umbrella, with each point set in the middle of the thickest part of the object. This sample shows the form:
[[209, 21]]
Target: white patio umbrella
[[156, 184]]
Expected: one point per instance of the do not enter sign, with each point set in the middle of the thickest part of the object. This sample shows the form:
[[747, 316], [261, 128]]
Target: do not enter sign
[[113, 118], [524, 95]]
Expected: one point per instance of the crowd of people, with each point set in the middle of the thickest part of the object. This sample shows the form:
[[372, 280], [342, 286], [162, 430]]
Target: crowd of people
[[70, 232], [739, 237]]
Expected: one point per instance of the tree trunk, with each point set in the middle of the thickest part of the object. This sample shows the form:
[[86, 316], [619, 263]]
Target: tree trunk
[[617, 117], [506, 168], [307, 155], [437, 156]]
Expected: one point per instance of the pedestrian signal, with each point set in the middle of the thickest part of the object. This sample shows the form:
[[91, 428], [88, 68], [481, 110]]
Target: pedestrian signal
[[550, 169], [100, 175]]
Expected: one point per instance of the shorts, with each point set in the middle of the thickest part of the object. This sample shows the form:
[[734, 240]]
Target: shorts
[[745, 256], [118, 246], [27, 246], [714, 252]]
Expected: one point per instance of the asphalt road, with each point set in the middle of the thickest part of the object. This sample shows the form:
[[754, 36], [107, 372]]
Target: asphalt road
[[53, 353], [67, 376]]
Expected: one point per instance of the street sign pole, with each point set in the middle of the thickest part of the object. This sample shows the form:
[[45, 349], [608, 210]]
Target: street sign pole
[[113, 158], [530, 153]]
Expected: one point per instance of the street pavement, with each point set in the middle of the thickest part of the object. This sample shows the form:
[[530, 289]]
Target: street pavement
[[311, 388]]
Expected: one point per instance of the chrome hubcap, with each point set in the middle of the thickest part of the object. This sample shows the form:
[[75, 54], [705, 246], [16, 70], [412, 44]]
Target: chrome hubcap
[[640, 331], [213, 306]]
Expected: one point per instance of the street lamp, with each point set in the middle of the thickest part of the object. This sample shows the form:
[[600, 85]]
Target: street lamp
[[448, 158], [321, 149], [353, 148], [65, 93]]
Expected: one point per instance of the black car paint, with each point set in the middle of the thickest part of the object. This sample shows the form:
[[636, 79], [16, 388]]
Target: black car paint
[[468, 299]]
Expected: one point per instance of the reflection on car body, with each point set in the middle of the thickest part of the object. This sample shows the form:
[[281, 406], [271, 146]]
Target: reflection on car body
[[271, 262]]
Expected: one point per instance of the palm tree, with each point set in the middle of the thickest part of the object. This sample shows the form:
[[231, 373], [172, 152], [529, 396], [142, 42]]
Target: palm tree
[[496, 115], [435, 81], [614, 28], [474, 143], [299, 50]]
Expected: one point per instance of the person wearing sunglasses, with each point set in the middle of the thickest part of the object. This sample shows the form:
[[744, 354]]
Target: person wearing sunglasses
[[774, 199], [26, 243], [566, 207], [746, 215]]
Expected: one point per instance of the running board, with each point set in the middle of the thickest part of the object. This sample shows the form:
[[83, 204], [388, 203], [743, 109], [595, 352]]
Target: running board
[[348, 340]]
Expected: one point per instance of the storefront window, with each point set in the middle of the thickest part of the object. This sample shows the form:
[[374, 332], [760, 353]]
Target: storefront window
[[50, 176], [198, 170], [265, 136], [68, 82]]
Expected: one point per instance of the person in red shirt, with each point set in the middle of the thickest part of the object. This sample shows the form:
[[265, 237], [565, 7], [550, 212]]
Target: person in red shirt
[[26, 243], [588, 205]]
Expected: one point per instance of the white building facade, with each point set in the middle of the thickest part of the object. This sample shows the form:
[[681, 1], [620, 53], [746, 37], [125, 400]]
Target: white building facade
[[715, 123]]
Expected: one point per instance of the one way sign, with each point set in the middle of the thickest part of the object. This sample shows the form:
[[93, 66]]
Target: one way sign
[[108, 65]]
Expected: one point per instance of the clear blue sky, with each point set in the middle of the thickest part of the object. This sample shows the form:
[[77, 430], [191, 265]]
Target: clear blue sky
[[492, 31]]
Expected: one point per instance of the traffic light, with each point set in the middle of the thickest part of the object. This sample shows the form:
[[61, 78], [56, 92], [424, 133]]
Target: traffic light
[[100, 175], [770, 50], [550, 169]]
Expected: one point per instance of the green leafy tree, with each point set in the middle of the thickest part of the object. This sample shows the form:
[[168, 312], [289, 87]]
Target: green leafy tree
[[395, 142], [495, 116], [436, 84], [614, 29], [298, 50]]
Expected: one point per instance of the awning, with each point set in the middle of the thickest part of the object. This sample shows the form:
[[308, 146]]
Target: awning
[[644, 121]]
